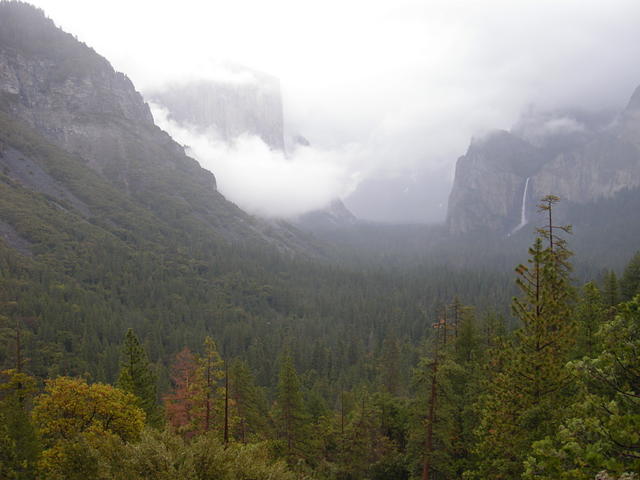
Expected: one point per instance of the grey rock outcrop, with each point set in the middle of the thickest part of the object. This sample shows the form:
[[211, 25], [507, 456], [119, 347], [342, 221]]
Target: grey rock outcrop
[[629, 125], [580, 164], [64, 91], [74, 97], [489, 183], [231, 108], [596, 170]]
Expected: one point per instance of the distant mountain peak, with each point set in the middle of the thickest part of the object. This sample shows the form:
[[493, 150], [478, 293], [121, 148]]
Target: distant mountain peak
[[230, 108], [579, 156], [334, 216]]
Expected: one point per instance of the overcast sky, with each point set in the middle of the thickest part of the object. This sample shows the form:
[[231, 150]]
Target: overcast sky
[[403, 84]]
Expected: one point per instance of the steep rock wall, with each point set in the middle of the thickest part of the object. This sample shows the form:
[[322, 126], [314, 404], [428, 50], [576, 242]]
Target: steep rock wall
[[578, 167]]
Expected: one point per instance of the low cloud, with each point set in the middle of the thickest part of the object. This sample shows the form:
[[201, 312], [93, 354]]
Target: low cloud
[[409, 81], [264, 181], [225, 72]]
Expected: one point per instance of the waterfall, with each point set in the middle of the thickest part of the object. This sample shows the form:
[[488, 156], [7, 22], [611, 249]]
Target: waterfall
[[523, 211]]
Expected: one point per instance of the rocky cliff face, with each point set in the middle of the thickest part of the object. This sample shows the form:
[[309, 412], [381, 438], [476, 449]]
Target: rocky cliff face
[[579, 161], [249, 102], [489, 183], [629, 126], [61, 89], [72, 96]]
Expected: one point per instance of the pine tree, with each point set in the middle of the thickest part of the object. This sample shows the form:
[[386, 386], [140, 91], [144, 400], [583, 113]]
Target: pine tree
[[365, 451], [137, 377], [456, 309], [390, 365], [466, 372], [447, 379], [427, 409], [611, 290], [432, 415], [211, 372], [19, 448], [290, 406], [630, 281], [494, 329], [601, 431], [467, 345], [248, 401], [525, 396], [590, 313]]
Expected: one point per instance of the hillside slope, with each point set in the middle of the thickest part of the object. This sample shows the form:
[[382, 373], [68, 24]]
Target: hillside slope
[[62, 90]]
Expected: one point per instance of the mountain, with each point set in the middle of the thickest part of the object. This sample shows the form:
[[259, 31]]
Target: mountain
[[56, 88], [106, 224], [579, 157], [407, 197], [241, 101], [489, 182], [335, 215], [244, 101]]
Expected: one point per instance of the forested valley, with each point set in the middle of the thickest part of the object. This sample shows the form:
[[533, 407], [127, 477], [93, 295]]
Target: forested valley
[[152, 329], [318, 371]]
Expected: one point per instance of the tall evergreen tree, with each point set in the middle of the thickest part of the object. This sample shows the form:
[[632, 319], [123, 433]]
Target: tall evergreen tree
[[137, 377], [590, 313], [630, 281], [602, 430], [430, 425], [211, 372], [248, 402], [447, 379], [390, 365], [19, 448], [494, 329], [525, 396], [290, 406], [611, 289], [365, 450]]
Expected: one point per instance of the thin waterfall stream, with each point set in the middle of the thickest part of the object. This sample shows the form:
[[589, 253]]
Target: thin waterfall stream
[[523, 211]]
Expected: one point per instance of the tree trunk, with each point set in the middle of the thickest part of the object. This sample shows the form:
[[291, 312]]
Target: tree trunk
[[226, 408]]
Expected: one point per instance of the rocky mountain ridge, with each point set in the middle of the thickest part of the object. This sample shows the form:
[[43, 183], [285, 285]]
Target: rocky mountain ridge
[[578, 162], [244, 102], [62, 90]]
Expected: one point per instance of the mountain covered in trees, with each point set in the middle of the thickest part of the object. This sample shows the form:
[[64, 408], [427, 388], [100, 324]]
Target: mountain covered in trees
[[150, 329]]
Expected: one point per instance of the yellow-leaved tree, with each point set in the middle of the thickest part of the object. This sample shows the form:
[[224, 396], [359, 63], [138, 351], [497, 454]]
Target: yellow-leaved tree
[[76, 420]]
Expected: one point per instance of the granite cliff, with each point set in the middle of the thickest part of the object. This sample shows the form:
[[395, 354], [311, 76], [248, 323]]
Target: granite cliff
[[247, 102], [57, 88], [578, 157]]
